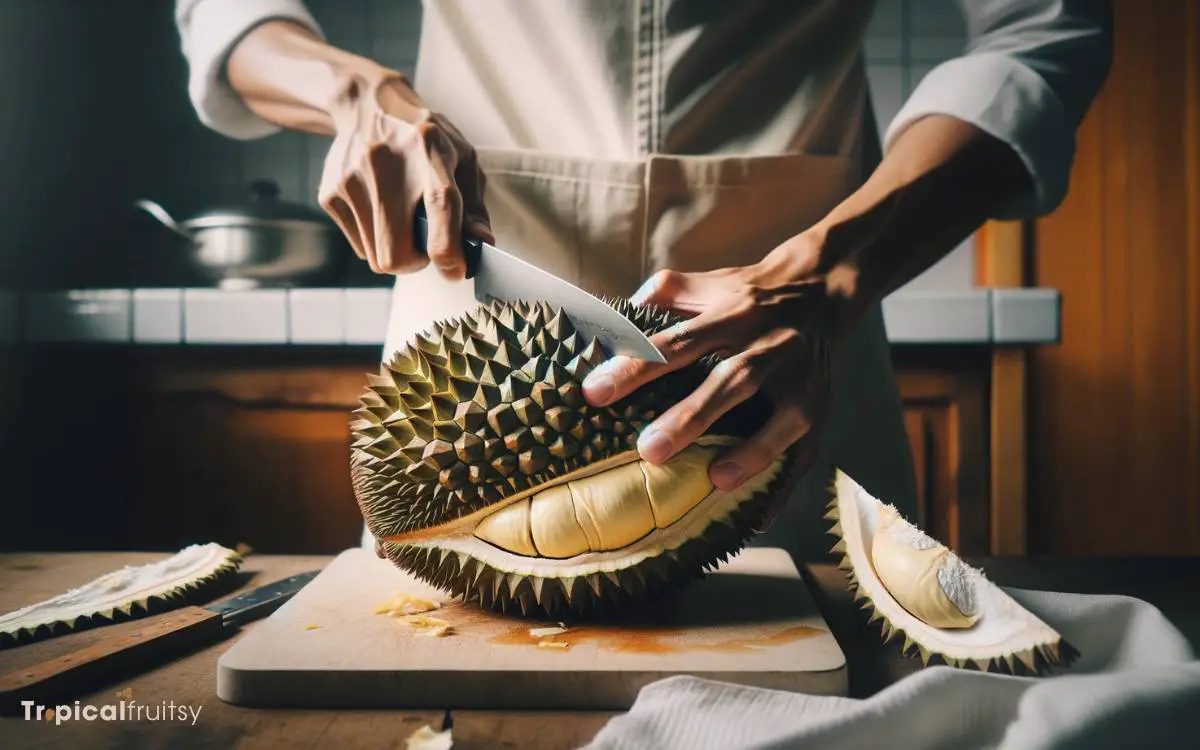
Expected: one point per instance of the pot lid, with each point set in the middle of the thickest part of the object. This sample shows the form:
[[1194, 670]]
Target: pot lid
[[262, 204]]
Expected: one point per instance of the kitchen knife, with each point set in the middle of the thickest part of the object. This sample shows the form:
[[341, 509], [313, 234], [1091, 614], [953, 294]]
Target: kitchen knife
[[157, 636], [498, 275]]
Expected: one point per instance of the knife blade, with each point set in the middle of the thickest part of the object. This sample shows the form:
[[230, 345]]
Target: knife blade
[[151, 639], [500, 275]]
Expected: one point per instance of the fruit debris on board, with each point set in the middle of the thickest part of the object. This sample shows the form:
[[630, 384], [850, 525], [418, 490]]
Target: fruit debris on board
[[918, 589], [401, 605], [480, 468], [426, 738]]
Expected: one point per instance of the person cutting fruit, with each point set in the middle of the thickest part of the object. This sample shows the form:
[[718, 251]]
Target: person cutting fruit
[[717, 159]]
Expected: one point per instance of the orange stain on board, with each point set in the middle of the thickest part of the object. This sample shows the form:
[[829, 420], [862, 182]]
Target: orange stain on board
[[615, 637], [651, 640]]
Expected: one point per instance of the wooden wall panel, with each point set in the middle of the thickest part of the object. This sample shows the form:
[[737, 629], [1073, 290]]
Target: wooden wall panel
[[1115, 453]]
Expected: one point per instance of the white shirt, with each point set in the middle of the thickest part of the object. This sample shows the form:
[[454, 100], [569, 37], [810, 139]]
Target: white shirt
[[1029, 71], [622, 137]]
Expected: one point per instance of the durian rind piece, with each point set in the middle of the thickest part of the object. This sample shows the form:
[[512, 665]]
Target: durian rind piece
[[129, 593], [1001, 635]]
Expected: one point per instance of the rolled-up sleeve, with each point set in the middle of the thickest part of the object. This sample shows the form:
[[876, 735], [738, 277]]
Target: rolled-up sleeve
[[208, 31], [1029, 73]]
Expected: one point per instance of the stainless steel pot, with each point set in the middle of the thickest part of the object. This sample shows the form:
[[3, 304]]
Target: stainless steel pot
[[264, 242]]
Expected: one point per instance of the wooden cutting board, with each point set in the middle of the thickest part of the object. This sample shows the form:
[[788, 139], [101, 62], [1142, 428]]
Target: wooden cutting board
[[752, 622]]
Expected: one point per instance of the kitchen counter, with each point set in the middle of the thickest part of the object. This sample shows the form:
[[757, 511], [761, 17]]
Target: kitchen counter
[[1170, 584], [358, 316]]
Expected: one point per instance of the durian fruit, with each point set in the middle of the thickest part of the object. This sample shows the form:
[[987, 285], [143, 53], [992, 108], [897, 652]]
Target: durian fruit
[[920, 591], [480, 468], [125, 594]]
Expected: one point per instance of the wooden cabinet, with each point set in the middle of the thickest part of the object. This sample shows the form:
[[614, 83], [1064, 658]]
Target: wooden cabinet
[[155, 448], [945, 411]]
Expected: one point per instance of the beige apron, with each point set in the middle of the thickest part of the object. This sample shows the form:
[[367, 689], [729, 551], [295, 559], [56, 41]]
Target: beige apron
[[606, 224]]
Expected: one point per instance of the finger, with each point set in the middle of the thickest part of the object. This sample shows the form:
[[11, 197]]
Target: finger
[[340, 212], [681, 344], [788, 424], [730, 383], [472, 185], [444, 209], [395, 251], [358, 200]]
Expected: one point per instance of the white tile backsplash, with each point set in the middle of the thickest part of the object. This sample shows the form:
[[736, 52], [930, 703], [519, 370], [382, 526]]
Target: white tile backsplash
[[887, 93], [962, 317], [317, 316], [955, 271], [358, 316], [884, 50], [367, 312], [1026, 315], [887, 20], [941, 18], [216, 316], [933, 50], [396, 18], [158, 316]]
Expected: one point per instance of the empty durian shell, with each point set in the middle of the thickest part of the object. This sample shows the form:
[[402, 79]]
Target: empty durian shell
[[481, 469], [924, 594], [133, 591]]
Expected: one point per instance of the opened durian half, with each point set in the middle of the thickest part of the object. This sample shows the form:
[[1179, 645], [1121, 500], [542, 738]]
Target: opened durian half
[[128, 593], [480, 468], [922, 592]]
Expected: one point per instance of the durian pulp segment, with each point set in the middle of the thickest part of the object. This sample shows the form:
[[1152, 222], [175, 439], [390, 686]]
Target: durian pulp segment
[[602, 512], [716, 507], [123, 590], [1004, 634], [914, 568]]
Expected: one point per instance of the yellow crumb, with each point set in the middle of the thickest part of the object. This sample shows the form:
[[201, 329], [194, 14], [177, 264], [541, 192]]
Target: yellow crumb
[[430, 627], [563, 645], [401, 605], [427, 739], [312, 627]]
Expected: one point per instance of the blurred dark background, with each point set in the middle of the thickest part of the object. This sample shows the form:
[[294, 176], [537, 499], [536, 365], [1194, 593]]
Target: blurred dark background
[[95, 114], [1088, 446]]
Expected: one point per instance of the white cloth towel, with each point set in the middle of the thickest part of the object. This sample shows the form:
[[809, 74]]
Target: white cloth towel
[[1136, 684]]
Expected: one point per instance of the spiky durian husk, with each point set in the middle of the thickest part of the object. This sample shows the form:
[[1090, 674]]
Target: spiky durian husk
[[490, 404], [1037, 655], [195, 584]]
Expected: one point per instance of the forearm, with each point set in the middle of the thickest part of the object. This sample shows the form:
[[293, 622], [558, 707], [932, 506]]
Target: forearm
[[939, 182], [289, 77]]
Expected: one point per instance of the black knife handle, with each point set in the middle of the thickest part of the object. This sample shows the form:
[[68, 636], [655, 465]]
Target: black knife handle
[[472, 246]]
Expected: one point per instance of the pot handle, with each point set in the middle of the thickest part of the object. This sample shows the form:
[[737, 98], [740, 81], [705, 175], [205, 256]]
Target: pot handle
[[164, 218]]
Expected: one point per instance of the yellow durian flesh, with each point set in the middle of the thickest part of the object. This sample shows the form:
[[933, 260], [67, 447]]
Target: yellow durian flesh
[[915, 569]]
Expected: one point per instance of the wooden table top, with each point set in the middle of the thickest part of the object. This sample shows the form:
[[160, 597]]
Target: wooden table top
[[25, 578]]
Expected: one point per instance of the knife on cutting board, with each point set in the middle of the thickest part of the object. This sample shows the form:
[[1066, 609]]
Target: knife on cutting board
[[172, 632], [500, 276]]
